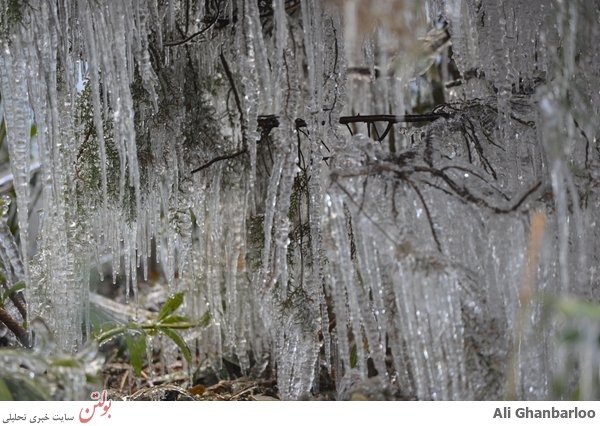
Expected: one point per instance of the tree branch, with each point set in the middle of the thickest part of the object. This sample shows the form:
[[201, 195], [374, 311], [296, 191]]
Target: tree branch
[[196, 34], [268, 122], [21, 334], [220, 158], [407, 118], [236, 95]]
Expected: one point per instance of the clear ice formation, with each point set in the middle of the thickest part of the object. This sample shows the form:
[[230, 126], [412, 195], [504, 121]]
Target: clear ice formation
[[175, 125]]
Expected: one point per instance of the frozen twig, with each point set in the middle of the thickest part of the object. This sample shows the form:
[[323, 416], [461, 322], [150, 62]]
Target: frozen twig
[[18, 330], [268, 122]]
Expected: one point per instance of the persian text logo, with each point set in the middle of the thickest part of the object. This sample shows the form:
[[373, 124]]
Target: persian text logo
[[88, 414]]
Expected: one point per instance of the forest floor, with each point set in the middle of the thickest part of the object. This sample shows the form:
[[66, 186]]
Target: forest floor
[[161, 382], [122, 385], [157, 383], [166, 378]]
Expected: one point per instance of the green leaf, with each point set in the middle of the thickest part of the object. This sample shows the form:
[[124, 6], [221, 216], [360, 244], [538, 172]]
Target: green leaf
[[353, 356], [2, 132], [14, 289], [109, 334], [136, 346], [205, 320], [175, 319], [178, 340], [150, 329], [33, 131], [170, 306]]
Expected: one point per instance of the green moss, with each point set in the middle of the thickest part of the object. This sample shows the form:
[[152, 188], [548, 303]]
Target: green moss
[[11, 14], [88, 170], [255, 240]]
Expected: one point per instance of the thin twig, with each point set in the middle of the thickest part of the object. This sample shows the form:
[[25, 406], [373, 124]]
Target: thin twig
[[229, 75], [220, 158], [386, 131], [427, 213], [16, 297], [367, 216], [390, 118], [238, 104], [19, 301], [192, 36], [269, 122], [18, 330]]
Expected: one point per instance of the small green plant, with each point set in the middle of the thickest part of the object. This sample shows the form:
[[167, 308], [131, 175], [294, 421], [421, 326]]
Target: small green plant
[[167, 323], [45, 372]]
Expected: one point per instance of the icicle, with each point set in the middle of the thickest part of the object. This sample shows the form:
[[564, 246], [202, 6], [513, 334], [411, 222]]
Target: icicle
[[9, 251], [373, 313], [17, 119], [149, 78], [94, 68]]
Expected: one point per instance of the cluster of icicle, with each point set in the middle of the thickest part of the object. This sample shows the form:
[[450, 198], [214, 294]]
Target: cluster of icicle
[[316, 246]]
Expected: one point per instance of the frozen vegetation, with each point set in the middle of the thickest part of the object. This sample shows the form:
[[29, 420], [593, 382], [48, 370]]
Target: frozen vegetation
[[395, 194]]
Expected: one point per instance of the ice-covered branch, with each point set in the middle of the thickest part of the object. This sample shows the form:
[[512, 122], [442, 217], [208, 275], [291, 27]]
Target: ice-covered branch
[[15, 327], [268, 122]]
